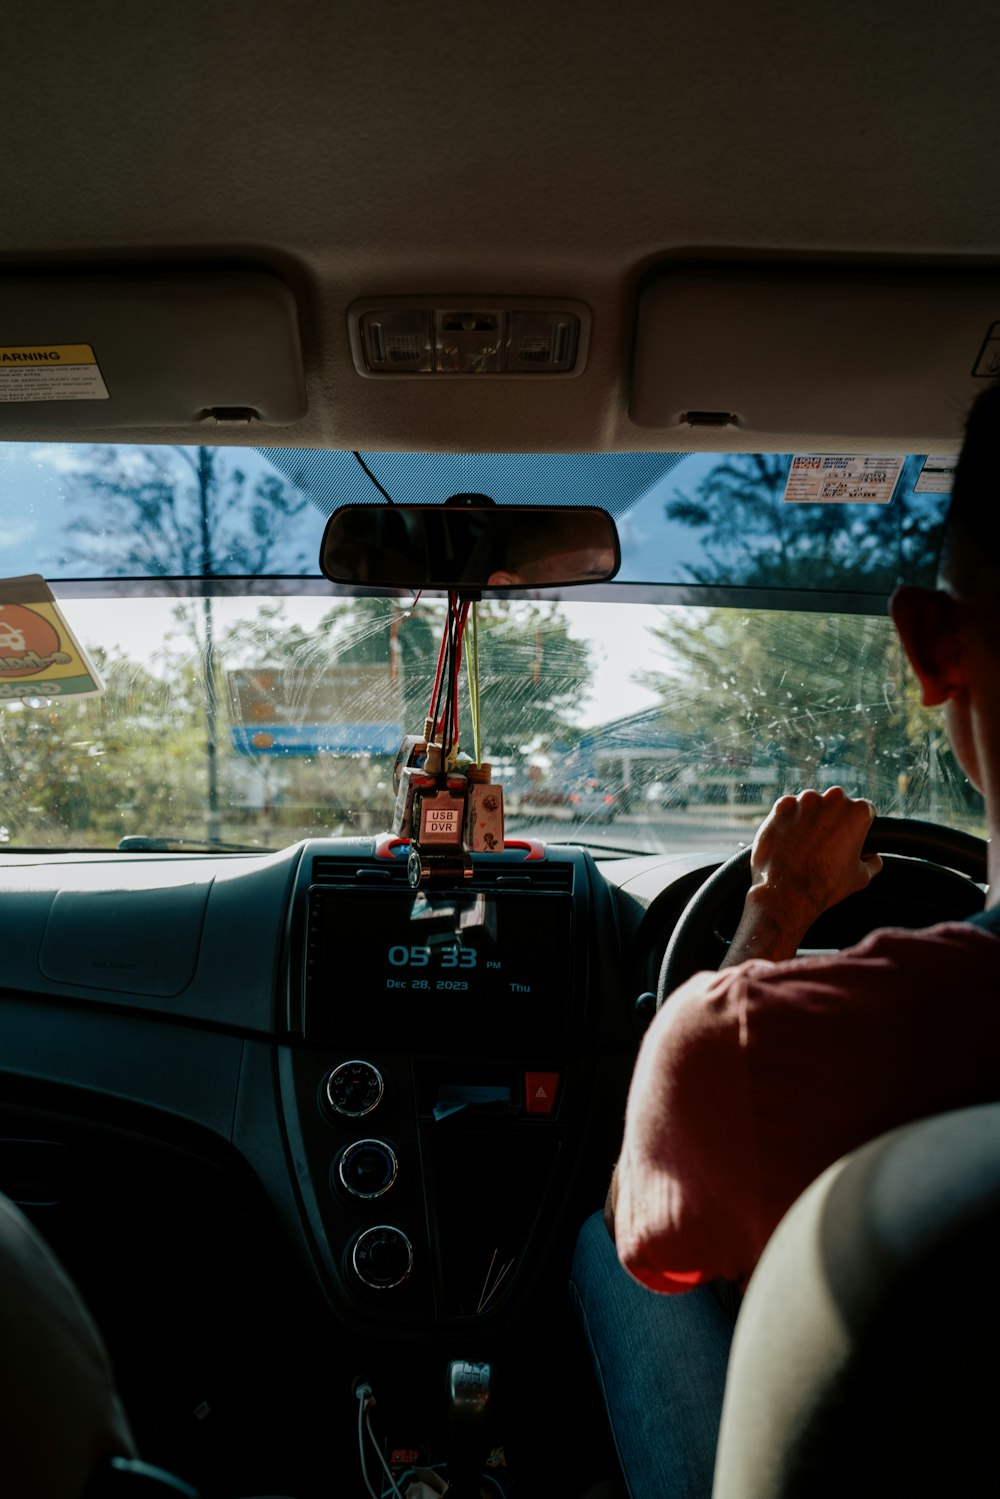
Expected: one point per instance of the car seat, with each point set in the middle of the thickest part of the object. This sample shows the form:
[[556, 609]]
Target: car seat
[[864, 1358], [63, 1433]]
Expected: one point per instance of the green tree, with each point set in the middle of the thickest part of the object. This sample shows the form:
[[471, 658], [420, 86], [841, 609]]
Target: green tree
[[77, 771], [796, 690], [375, 659], [363, 661], [805, 693], [180, 513], [534, 677], [533, 674], [184, 513], [751, 537]]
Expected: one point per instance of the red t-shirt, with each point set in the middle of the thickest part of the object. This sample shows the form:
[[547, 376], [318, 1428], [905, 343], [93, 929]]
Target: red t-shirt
[[750, 1082]]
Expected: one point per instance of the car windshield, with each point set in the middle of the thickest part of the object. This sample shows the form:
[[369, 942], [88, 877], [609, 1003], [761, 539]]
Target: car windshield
[[743, 649]]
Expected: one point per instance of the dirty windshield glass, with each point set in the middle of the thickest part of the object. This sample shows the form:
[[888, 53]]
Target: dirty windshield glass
[[743, 651]]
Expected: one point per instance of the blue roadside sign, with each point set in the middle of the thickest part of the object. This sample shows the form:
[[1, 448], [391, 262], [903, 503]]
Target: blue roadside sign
[[317, 738], [349, 709]]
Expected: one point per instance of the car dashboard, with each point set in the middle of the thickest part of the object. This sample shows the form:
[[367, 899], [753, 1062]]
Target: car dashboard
[[228, 1074]]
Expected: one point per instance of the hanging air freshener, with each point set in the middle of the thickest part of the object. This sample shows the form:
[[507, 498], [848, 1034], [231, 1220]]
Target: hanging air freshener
[[447, 803]]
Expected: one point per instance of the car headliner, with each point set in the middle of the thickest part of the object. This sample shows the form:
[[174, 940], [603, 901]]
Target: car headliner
[[560, 151]]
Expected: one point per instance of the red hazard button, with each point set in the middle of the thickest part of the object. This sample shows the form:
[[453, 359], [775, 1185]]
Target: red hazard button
[[540, 1089]]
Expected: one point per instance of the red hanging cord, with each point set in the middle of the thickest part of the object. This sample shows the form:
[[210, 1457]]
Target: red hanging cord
[[436, 690], [451, 654]]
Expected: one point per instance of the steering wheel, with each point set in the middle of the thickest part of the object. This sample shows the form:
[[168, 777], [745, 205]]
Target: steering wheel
[[906, 893]]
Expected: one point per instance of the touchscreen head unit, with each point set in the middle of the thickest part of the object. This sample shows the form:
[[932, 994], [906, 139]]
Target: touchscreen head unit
[[415, 964]]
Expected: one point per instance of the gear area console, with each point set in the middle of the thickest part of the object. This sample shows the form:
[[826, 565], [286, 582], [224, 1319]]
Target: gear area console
[[469, 1463], [434, 1074]]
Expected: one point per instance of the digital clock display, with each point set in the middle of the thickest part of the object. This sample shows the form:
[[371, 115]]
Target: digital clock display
[[459, 963]]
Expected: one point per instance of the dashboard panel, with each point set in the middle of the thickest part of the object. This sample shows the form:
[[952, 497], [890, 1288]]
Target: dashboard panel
[[269, 1168], [413, 1077]]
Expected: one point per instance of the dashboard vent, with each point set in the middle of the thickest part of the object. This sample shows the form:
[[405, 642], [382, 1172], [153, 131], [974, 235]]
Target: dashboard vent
[[522, 877], [391, 873], [351, 872]]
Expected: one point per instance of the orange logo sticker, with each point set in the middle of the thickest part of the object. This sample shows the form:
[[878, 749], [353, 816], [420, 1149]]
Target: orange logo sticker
[[39, 655]]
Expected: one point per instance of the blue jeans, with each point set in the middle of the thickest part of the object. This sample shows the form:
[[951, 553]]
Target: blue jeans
[[661, 1367]]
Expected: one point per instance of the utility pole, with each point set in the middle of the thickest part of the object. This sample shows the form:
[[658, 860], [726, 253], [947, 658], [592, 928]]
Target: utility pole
[[203, 464], [206, 482]]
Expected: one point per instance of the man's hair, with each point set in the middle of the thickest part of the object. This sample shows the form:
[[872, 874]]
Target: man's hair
[[970, 544]]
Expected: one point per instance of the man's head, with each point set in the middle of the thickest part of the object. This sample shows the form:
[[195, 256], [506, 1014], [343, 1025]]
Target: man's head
[[970, 546], [951, 633]]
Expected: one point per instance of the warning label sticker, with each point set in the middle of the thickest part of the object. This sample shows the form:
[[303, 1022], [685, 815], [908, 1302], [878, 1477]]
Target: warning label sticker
[[39, 654], [50, 372], [818, 478]]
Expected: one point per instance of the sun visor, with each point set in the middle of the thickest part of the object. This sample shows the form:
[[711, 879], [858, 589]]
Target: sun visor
[[814, 359], [106, 352]]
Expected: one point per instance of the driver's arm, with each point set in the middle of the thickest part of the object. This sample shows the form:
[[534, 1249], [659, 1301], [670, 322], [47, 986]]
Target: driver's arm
[[806, 857]]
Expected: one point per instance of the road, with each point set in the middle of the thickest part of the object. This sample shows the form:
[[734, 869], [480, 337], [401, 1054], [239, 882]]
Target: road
[[674, 832]]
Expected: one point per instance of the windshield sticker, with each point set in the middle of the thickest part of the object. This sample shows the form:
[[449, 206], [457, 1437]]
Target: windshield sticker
[[937, 475], [51, 372], [39, 655], [818, 478]]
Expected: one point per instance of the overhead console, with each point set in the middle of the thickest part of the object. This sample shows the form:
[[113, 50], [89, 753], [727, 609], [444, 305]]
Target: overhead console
[[792, 357], [435, 1069]]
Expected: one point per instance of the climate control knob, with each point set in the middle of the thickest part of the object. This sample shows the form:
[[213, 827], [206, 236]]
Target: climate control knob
[[354, 1088], [367, 1168], [382, 1257]]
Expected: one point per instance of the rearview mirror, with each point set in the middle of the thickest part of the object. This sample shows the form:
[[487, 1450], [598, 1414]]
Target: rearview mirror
[[461, 546]]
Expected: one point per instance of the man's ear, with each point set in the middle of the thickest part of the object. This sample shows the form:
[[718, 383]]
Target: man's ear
[[928, 622]]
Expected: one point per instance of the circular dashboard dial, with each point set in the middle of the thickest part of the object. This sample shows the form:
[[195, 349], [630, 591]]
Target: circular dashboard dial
[[354, 1089], [367, 1168], [382, 1257]]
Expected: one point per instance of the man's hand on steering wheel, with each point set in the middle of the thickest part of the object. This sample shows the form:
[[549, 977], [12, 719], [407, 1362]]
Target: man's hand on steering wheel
[[807, 856]]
